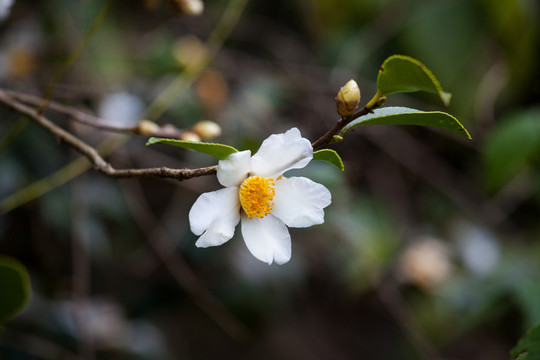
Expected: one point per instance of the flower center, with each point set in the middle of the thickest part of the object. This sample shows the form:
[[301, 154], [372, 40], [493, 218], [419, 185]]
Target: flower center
[[256, 194]]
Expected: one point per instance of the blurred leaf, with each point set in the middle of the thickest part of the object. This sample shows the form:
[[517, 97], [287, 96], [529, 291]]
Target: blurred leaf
[[219, 151], [527, 293], [395, 115], [515, 28], [330, 156], [511, 146], [370, 239], [528, 347], [401, 73], [446, 35], [15, 287]]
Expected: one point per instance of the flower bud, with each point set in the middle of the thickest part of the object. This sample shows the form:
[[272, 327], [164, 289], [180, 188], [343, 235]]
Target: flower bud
[[188, 7], [193, 7], [336, 139], [189, 51], [348, 98], [426, 262], [207, 129], [190, 136], [147, 128]]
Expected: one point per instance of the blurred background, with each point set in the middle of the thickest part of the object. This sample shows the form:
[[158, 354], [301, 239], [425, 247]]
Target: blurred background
[[430, 247]]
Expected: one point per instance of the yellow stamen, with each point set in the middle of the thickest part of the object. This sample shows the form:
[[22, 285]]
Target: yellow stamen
[[256, 194]]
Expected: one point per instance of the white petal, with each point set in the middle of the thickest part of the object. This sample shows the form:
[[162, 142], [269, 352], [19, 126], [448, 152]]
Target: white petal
[[267, 239], [299, 202], [234, 170], [215, 215], [281, 152]]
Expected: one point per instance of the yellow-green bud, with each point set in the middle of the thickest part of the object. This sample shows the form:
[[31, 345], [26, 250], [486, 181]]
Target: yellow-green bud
[[207, 129], [348, 98], [147, 128], [336, 139]]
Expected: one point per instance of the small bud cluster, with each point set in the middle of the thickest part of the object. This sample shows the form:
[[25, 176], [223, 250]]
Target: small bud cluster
[[203, 130]]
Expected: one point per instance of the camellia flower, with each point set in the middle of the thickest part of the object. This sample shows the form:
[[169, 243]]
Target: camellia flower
[[257, 195]]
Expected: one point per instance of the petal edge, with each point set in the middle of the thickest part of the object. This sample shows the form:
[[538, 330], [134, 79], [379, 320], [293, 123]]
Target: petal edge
[[299, 202], [282, 152], [214, 215], [233, 170], [268, 239]]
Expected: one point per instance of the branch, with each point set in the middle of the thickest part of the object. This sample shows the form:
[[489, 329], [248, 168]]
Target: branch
[[15, 101], [93, 155], [341, 123], [166, 131]]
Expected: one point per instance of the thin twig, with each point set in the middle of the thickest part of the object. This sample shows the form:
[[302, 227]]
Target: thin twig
[[74, 54], [91, 153], [81, 275], [74, 169], [341, 123], [424, 163], [214, 43], [14, 99], [166, 131], [12, 133]]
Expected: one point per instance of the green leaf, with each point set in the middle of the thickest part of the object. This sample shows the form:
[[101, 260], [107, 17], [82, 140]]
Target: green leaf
[[330, 156], [14, 287], [401, 73], [512, 146], [528, 347], [395, 115], [219, 151]]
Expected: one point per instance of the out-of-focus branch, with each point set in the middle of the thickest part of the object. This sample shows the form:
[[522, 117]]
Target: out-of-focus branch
[[144, 128], [93, 155], [74, 54], [161, 243], [219, 34], [395, 304], [215, 41], [17, 101]]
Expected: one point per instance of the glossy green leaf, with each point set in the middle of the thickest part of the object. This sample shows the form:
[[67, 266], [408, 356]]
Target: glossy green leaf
[[330, 156], [511, 147], [219, 151], [406, 116], [401, 73], [14, 288], [528, 347]]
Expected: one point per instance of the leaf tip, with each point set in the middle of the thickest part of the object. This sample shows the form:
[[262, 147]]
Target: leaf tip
[[330, 156], [153, 140], [446, 97]]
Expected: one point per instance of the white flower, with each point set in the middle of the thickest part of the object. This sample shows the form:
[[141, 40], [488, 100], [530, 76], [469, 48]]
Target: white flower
[[266, 203]]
